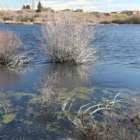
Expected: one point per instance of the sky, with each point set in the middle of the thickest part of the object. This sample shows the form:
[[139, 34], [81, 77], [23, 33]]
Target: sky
[[86, 5]]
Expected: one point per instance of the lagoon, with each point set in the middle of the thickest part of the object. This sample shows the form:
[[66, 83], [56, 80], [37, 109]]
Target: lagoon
[[117, 70]]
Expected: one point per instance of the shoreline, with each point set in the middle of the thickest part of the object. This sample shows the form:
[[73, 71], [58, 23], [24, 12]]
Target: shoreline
[[41, 23]]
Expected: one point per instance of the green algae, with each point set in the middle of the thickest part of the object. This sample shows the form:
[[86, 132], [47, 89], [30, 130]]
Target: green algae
[[78, 92], [83, 90], [24, 94], [27, 122], [60, 115], [8, 118], [61, 90], [53, 127], [10, 94]]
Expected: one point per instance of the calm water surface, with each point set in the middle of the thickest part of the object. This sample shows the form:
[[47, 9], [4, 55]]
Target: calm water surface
[[117, 70]]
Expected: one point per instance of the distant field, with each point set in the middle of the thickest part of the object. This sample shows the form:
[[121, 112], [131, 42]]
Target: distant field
[[32, 17], [46, 17]]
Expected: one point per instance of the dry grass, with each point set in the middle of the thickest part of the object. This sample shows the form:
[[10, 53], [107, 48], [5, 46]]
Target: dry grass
[[42, 17], [68, 40], [129, 20], [23, 16]]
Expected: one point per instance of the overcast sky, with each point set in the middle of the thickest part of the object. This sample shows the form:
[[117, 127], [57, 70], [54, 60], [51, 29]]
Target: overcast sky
[[87, 5]]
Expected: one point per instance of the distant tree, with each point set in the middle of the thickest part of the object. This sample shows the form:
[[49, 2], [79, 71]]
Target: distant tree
[[24, 7], [39, 7], [28, 7]]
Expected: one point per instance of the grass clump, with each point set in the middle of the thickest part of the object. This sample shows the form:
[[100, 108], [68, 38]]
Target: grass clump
[[68, 40]]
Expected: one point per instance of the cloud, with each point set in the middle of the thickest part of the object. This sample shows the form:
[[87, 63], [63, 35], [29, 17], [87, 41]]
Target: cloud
[[3, 5], [86, 5]]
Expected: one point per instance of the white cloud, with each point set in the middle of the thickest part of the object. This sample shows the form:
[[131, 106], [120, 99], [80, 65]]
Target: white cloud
[[86, 5], [110, 1], [90, 5], [3, 6]]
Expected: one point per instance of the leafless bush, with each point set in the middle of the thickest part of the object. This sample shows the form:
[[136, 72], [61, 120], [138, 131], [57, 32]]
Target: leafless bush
[[68, 40], [9, 45], [25, 17], [7, 15], [116, 123]]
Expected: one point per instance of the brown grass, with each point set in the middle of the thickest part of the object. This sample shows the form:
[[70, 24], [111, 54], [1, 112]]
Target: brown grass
[[47, 16], [129, 20]]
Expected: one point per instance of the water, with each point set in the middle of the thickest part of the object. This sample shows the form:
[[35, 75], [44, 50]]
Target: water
[[118, 70]]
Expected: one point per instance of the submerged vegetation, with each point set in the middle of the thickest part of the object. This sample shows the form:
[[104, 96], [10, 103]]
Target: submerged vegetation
[[68, 40], [112, 118]]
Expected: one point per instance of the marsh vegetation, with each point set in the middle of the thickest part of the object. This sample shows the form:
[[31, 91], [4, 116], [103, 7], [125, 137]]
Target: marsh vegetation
[[66, 101]]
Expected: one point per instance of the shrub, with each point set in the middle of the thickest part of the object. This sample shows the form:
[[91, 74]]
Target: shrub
[[117, 119], [1, 20], [9, 44], [68, 40]]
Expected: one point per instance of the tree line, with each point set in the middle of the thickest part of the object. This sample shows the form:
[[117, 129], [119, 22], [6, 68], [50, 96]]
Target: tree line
[[28, 7]]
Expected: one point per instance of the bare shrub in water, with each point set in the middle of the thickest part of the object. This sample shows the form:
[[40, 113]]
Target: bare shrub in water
[[68, 40], [119, 124], [9, 45]]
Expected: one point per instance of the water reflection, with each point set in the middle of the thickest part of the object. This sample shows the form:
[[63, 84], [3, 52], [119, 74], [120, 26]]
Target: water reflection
[[8, 77], [71, 76], [62, 82]]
